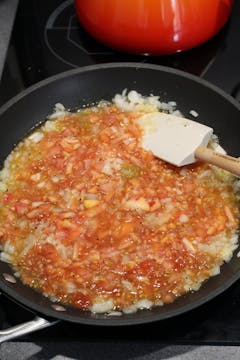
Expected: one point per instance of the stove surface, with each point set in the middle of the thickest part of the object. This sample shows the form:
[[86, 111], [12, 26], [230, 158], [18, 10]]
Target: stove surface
[[47, 40]]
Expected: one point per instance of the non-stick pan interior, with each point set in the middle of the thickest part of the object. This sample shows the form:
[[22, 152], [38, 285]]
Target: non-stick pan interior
[[89, 85]]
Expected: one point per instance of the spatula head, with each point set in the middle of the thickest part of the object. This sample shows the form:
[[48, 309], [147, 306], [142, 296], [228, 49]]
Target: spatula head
[[172, 138]]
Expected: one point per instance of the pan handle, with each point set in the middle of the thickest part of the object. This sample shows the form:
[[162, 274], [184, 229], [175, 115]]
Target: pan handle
[[22, 329]]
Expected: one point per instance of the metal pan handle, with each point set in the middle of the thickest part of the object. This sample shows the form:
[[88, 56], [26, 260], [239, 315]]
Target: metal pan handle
[[22, 329]]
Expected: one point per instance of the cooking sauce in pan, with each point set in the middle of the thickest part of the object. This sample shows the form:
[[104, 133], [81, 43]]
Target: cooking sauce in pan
[[90, 218]]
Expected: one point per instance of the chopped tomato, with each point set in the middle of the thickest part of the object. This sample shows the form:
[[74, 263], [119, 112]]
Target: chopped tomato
[[90, 216]]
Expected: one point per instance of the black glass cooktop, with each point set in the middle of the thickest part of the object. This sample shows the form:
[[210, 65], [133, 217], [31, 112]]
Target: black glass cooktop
[[46, 40]]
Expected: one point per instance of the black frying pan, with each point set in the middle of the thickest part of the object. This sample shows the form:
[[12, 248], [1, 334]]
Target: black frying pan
[[89, 85]]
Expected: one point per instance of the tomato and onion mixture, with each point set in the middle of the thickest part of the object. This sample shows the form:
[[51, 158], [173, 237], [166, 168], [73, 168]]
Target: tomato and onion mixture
[[89, 217]]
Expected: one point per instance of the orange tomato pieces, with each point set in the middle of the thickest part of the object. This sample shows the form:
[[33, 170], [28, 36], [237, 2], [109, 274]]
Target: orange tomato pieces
[[95, 216]]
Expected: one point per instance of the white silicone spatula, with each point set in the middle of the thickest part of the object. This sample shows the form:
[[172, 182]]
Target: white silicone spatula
[[181, 141]]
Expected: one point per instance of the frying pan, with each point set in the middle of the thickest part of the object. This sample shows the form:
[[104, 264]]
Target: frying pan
[[88, 85]]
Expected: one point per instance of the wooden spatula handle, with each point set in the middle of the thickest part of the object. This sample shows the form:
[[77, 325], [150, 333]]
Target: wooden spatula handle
[[225, 162]]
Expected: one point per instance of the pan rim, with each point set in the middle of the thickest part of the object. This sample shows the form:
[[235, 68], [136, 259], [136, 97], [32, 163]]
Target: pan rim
[[136, 65], [110, 321]]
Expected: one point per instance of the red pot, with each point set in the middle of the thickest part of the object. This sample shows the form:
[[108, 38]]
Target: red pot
[[153, 26]]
